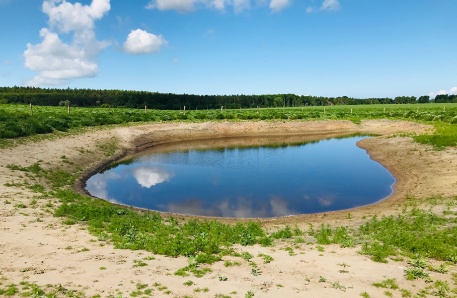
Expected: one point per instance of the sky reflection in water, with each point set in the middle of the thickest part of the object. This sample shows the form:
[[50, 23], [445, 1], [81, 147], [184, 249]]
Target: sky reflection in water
[[328, 175]]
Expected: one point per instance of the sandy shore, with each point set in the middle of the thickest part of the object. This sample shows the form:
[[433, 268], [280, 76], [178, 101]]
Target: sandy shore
[[36, 247]]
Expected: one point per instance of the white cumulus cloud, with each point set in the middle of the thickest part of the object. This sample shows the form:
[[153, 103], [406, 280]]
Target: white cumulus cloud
[[451, 91], [330, 5], [237, 5], [142, 42], [277, 5], [56, 61], [179, 5]]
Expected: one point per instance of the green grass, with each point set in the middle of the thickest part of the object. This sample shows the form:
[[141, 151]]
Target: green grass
[[17, 121], [129, 229], [417, 232]]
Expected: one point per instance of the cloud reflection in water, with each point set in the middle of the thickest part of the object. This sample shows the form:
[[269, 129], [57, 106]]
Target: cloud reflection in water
[[97, 185], [239, 208], [148, 177]]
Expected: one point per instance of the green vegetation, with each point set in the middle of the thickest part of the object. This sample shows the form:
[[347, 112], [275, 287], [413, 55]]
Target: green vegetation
[[27, 289], [19, 121], [416, 232], [149, 231], [389, 283], [138, 99]]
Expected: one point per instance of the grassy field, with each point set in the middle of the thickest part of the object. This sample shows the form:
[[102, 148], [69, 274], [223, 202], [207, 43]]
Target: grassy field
[[22, 120]]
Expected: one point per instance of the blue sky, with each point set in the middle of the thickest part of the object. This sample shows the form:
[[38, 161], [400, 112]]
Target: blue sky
[[357, 48]]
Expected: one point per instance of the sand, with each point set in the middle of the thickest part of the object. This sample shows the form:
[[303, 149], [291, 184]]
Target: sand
[[37, 247]]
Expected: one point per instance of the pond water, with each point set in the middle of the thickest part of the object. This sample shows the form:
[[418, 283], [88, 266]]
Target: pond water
[[242, 180]]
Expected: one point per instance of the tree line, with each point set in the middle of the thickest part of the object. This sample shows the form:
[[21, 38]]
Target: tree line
[[170, 101]]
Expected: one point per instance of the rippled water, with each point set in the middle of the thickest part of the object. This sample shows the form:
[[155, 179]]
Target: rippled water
[[262, 181]]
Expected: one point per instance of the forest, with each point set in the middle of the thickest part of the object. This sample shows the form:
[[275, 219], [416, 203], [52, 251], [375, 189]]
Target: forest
[[170, 101]]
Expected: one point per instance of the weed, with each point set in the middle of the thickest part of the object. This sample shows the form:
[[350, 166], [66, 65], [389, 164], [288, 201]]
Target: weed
[[338, 286], [290, 250], [343, 271], [441, 288], [139, 263], [256, 271], [365, 295], [390, 283], [266, 258], [188, 283], [246, 256], [415, 273], [416, 232], [406, 293], [442, 268], [140, 286], [418, 262], [204, 290], [249, 294], [284, 233], [326, 235]]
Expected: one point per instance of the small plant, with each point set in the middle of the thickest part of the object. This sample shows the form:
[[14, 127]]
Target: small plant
[[388, 293], [139, 263], [406, 293], [390, 283], [343, 271], [284, 233], [365, 295], [418, 262], [415, 273], [338, 286], [290, 250], [140, 286], [246, 256], [249, 294], [256, 271], [320, 248], [188, 283], [266, 258], [441, 288], [442, 268], [322, 279]]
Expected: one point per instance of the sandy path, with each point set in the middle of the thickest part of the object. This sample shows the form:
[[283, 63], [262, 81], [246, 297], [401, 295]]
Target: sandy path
[[37, 247]]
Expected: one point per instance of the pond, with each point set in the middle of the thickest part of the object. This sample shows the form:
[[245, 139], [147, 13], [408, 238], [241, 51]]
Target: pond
[[243, 178]]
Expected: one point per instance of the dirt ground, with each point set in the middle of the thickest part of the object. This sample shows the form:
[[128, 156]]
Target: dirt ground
[[37, 247]]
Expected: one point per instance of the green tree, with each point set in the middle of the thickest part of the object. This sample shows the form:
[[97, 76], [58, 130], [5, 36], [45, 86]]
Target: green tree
[[424, 99]]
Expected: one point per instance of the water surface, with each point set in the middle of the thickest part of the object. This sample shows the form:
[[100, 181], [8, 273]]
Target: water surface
[[249, 181]]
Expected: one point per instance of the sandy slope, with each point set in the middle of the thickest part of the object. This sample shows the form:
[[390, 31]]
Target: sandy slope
[[37, 247]]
